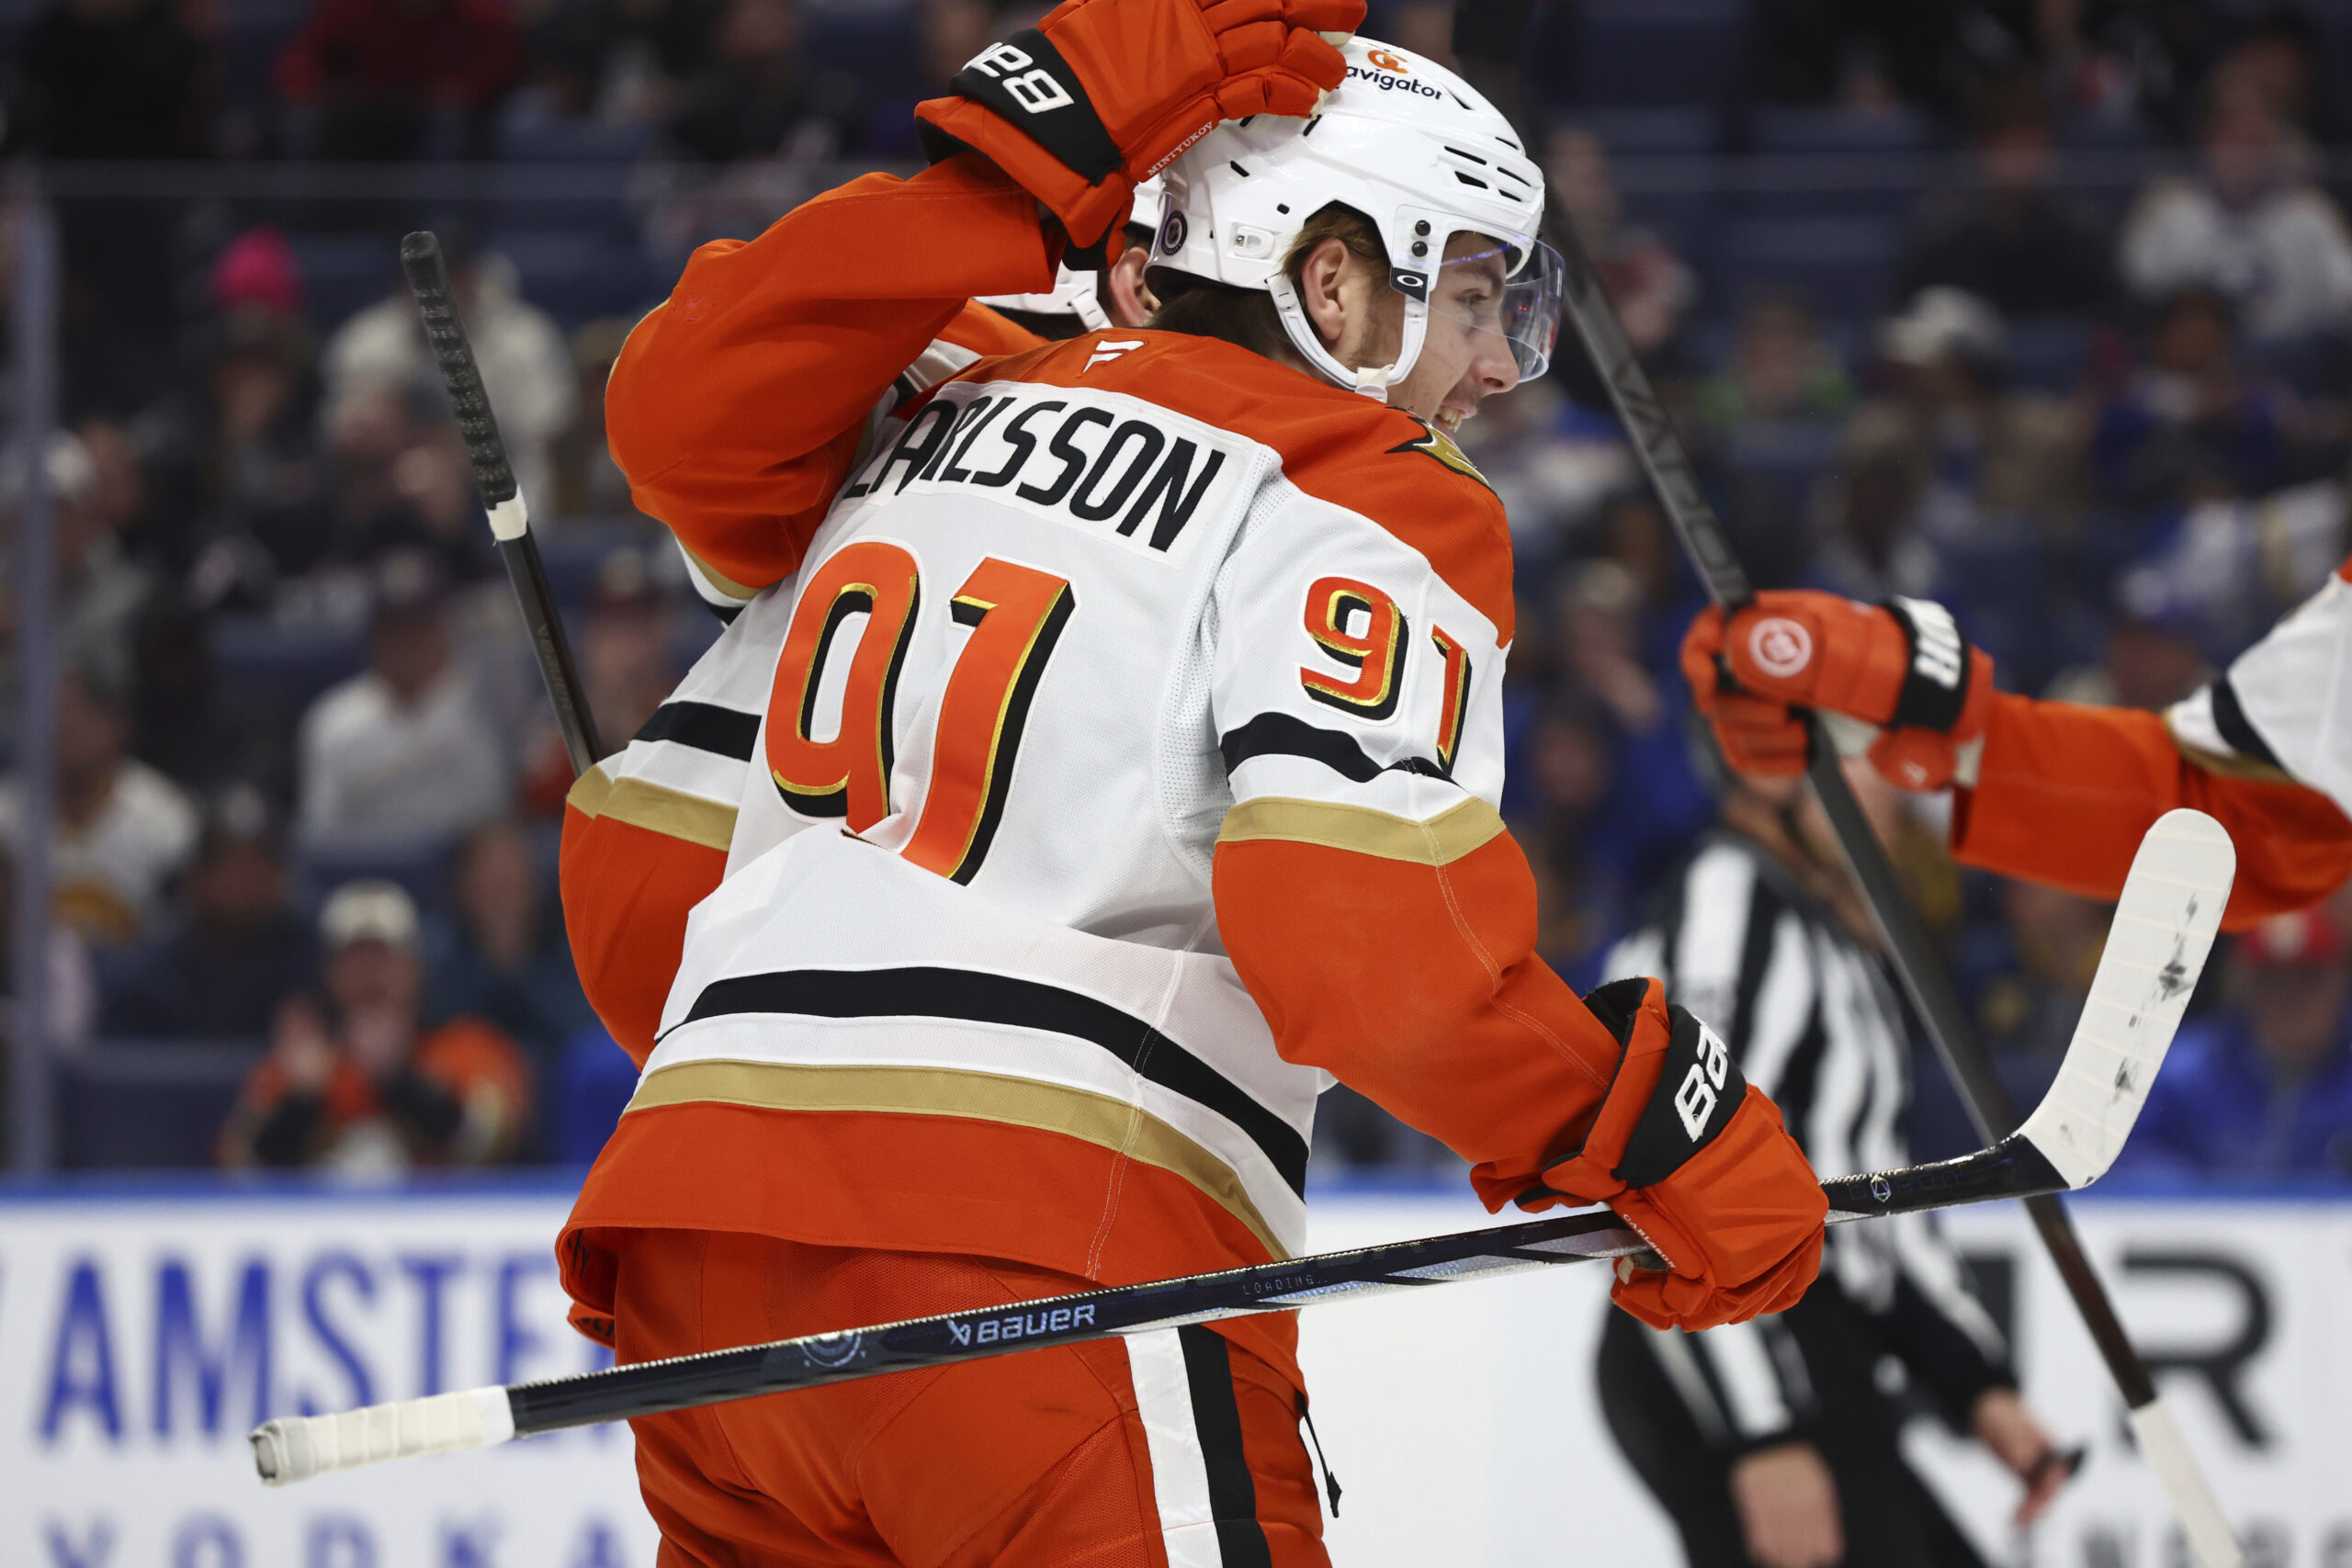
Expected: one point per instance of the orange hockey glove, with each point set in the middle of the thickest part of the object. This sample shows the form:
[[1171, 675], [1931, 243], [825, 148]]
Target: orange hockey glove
[[1101, 94], [1901, 667], [1696, 1160]]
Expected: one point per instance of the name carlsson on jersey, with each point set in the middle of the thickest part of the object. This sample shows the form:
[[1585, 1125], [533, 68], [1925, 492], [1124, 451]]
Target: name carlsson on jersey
[[1115, 466]]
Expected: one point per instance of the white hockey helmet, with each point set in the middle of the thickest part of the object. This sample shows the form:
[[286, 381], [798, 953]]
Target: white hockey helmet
[[1414, 149], [1077, 293]]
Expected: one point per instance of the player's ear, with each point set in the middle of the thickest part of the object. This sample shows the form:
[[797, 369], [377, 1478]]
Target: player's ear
[[1320, 280], [1128, 300]]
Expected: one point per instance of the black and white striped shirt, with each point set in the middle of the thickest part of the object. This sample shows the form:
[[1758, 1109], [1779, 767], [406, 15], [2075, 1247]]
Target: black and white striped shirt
[[1813, 1022]]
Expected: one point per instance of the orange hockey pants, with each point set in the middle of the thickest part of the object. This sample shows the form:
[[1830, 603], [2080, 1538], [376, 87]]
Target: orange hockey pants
[[1171, 1450]]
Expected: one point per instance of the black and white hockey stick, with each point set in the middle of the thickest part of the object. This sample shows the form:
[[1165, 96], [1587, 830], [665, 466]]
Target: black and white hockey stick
[[2164, 926], [1908, 945], [445, 333]]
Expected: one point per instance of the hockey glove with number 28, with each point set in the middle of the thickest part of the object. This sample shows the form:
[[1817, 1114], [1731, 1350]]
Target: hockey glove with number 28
[[1695, 1160], [1921, 692], [1100, 94]]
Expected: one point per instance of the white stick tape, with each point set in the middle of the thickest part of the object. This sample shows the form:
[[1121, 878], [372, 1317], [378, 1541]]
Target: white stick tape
[[508, 519], [2192, 1500], [295, 1447]]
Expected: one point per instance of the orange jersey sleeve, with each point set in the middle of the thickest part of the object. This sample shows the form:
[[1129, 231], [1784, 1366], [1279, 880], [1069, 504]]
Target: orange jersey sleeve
[[738, 406], [1367, 890], [2067, 792]]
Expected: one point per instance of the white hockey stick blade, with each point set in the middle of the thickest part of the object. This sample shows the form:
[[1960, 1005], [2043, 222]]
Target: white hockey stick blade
[[2165, 924], [295, 1447]]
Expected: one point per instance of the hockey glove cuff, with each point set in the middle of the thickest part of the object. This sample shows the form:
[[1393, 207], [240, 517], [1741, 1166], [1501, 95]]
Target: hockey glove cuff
[[1102, 94], [1920, 693], [1696, 1161]]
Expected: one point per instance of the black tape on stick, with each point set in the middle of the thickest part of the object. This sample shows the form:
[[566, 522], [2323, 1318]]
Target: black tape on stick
[[510, 521]]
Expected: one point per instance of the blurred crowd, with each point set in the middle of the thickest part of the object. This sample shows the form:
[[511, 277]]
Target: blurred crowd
[[2039, 308]]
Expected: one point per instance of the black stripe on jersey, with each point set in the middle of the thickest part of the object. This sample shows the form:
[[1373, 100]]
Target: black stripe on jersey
[[1755, 961], [971, 996], [2229, 718], [1278, 734], [706, 726], [1216, 1421]]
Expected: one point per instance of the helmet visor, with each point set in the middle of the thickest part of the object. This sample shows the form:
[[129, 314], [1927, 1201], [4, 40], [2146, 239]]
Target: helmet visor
[[1512, 291]]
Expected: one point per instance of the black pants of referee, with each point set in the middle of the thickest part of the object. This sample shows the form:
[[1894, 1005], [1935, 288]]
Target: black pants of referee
[[1891, 1519]]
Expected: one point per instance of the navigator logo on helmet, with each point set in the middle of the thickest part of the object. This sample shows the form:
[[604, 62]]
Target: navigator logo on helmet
[[1424, 166]]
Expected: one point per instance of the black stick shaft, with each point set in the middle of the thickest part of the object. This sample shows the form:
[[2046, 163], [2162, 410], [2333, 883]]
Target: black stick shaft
[[1916, 966], [445, 333], [2009, 1168]]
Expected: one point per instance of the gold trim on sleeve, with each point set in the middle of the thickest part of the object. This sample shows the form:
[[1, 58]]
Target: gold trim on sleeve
[[718, 581], [1441, 840], [1079, 1113], [656, 809]]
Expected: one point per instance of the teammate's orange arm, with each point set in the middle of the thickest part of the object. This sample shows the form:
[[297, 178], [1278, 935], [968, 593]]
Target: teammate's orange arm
[[2066, 790], [2054, 793], [737, 407]]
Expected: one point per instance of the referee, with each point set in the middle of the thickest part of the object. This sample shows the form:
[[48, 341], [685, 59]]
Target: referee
[[1773, 1442]]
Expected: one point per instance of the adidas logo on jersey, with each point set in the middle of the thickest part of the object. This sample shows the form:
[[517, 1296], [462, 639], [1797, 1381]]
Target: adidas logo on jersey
[[1112, 465]]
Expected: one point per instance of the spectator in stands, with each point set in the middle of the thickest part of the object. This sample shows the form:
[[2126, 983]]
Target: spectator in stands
[[2008, 238], [621, 60], [1780, 368], [2253, 228], [400, 754], [759, 98], [2263, 1085], [96, 488], [353, 1082], [237, 950], [2282, 57], [626, 667], [584, 481], [120, 829], [1872, 546], [382, 79], [527, 368], [1654, 802], [1864, 56], [1999, 455], [1552, 463], [72, 985], [244, 441], [2025, 970], [2192, 423], [503, 957], [1651, 287]]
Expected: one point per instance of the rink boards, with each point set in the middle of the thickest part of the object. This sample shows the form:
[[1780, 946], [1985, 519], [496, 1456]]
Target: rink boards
[[146, 1328]]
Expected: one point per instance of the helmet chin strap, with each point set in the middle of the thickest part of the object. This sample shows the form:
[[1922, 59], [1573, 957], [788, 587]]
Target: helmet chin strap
[[1373, 382]]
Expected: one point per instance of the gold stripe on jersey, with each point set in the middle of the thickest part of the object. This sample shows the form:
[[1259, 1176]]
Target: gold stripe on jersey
[[1114, 1124], [720, 582], [1441, 840], [2228, 765], [655, 807]]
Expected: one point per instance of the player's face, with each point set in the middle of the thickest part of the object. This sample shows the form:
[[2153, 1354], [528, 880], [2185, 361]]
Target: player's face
[[1465, 355]]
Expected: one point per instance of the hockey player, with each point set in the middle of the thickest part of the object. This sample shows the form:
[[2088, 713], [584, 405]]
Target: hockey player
[[1123, 737], [2049, 791]]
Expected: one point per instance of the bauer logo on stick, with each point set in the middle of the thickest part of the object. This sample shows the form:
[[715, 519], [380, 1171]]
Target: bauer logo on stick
[[1780, 646]]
